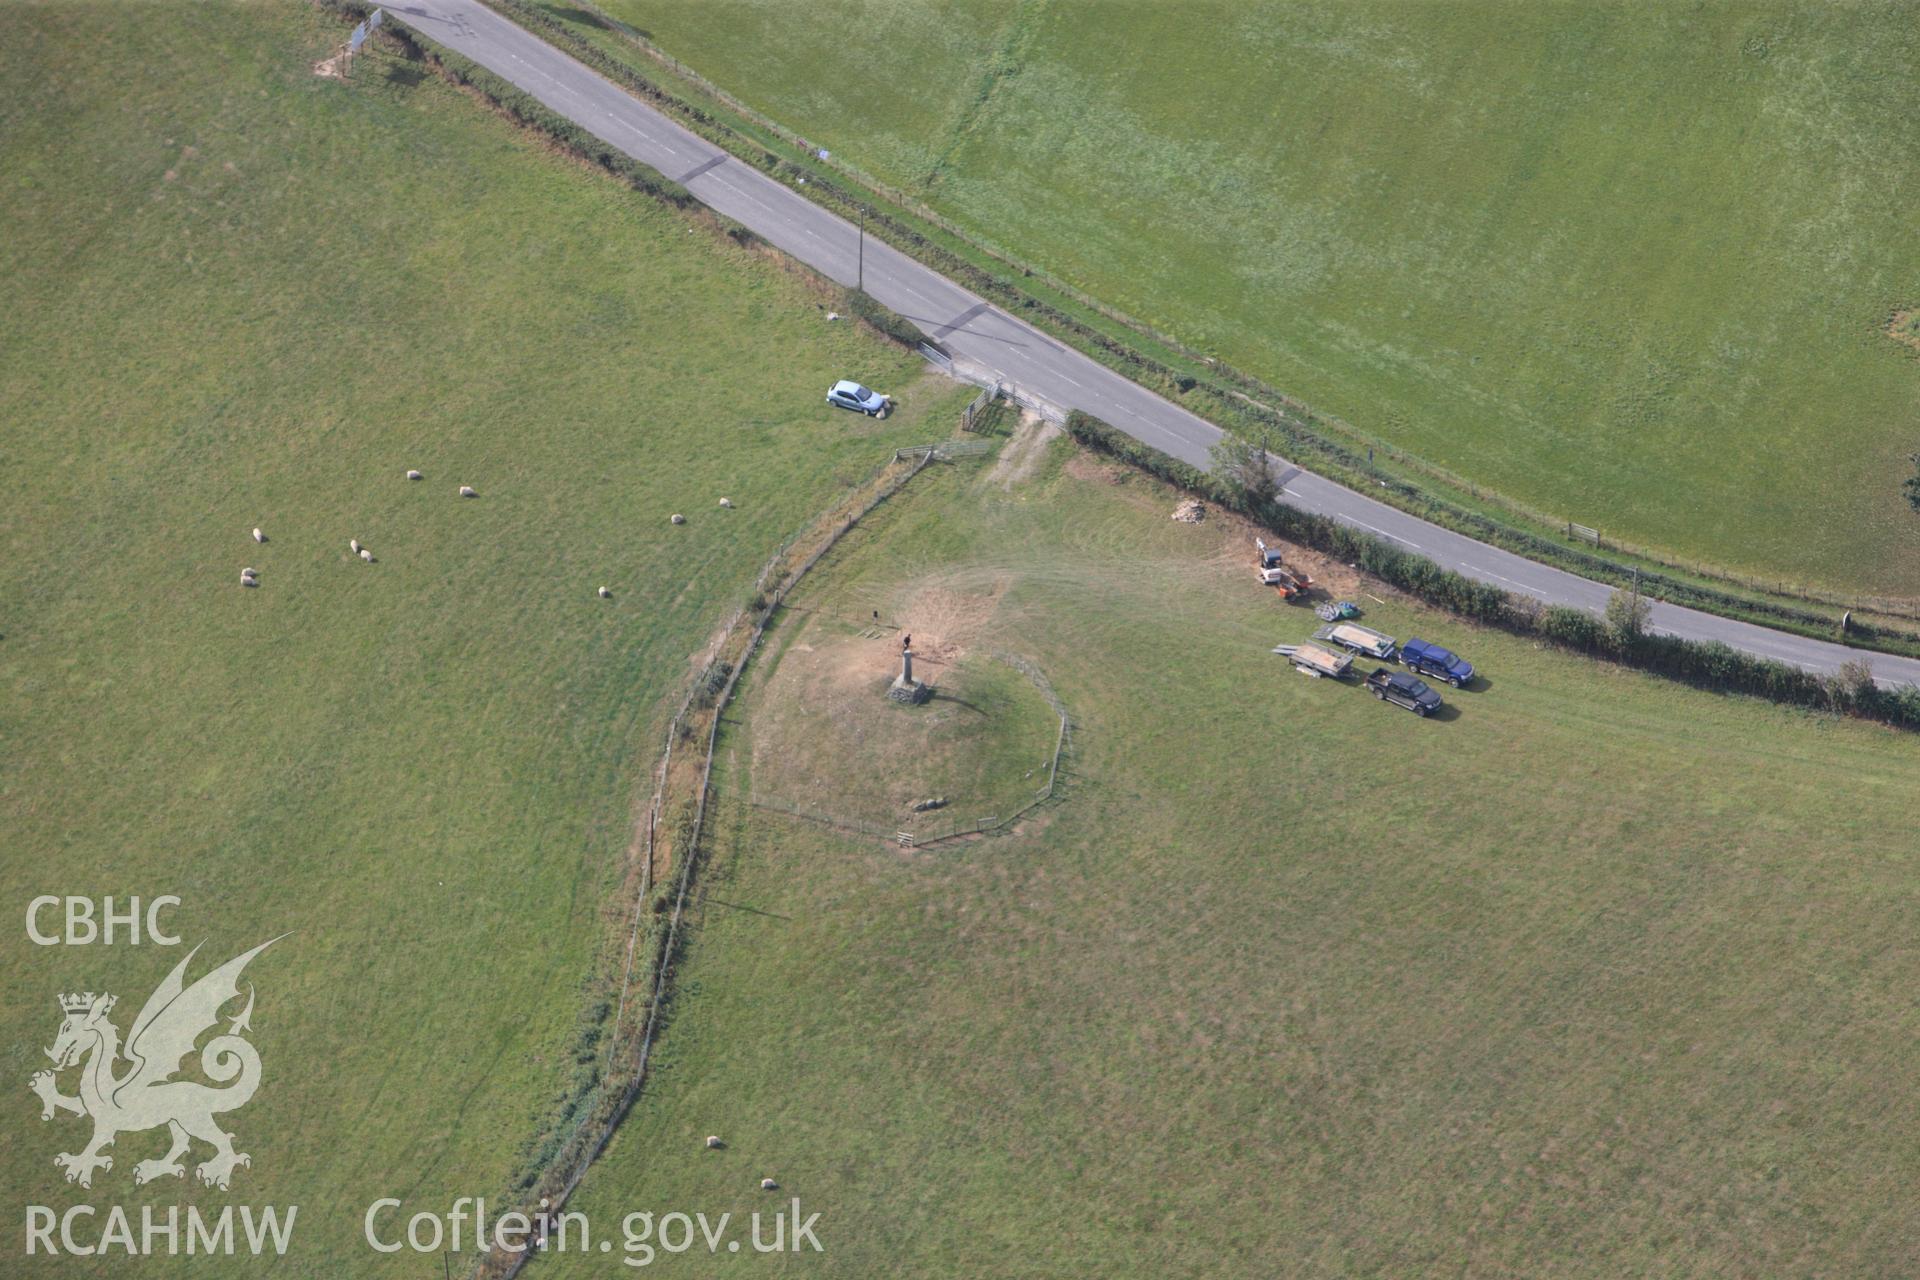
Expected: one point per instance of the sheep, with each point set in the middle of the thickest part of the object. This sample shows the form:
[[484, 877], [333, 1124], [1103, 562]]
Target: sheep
[[713, 1142], [353, 545], [247, 579], [259, 536], [768, 1184], [466, 491], [678, 518], [727, 503], [249, 572], [605, 594], [366, 555], [413, 475]]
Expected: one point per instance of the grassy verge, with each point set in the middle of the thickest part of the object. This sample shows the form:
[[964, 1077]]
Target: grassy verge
[[651, 907], [1484, 240], [1596, 975], [242, 295], [1214, 388], [1711, 664]]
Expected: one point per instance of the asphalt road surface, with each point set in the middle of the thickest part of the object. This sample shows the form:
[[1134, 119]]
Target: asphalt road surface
[[985, 336]]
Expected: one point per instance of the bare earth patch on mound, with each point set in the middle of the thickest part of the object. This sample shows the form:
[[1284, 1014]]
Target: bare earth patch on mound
[[1905, 327], [825, 737]]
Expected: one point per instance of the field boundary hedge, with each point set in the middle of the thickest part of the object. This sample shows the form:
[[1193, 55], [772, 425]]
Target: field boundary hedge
[[1709, 665], [530, 113], [678, 808], [1227, 396], [1778, 681]]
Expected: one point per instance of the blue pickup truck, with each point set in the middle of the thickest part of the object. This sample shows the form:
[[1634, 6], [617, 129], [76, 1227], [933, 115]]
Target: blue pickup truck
[[1432, 660]]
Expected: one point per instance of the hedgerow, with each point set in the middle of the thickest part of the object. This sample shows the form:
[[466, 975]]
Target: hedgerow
[[1709, 664]]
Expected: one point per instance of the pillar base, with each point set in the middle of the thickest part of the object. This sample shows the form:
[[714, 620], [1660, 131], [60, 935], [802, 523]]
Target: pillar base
[[910, 691]]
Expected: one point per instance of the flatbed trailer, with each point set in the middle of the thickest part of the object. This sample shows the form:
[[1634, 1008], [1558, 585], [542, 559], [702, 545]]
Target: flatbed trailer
[[1317, 660], [1358, 639]]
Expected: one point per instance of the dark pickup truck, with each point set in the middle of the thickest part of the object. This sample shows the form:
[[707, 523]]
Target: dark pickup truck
[[1403, 690], [1432, 660]]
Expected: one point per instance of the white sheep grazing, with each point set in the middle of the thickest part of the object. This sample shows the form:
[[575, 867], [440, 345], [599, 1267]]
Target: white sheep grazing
[[713, 1142], [353, 545], [679, 519], [413, 475], [727, 503], [768, 1184], [366, 555], [466, 491], [605, 594], [259, 536]]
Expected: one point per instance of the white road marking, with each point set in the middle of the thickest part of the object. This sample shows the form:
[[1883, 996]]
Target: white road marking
[[479, 30], [1383, 533], [1474, 568]]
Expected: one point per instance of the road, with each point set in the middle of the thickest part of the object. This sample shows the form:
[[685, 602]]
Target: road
[[983, 335]]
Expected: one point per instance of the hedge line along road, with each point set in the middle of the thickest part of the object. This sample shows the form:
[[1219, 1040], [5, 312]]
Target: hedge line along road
[[980, 334]]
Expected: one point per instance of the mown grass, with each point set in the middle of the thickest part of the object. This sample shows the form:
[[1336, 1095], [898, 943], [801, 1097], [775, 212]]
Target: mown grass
[[236, 296], [1598, 976], [1629, 265]]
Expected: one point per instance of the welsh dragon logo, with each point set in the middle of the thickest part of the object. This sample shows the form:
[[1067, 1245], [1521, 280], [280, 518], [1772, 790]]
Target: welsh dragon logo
[[145, 1095]]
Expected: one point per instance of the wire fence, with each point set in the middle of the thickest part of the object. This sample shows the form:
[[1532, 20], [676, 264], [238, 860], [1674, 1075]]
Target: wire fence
[[978, 406], [918, 839], [914, 840], [810, 813], [992, 386], [953, 830], [1324, 429], [718, 678]]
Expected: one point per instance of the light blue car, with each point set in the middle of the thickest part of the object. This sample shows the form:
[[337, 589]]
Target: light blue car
[[851, 395]]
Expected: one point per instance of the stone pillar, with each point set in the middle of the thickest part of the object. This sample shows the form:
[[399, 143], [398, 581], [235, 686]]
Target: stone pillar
[[904, 687]]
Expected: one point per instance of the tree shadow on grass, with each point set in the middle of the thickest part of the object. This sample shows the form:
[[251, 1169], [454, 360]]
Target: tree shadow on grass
[[567, 13]]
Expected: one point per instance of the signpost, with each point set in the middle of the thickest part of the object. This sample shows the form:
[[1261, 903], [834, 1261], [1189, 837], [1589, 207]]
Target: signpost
[[358, 38]]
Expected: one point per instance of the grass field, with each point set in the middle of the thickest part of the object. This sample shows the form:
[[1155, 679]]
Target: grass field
[[237, 295], [1596, 976], [1632, 265]]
